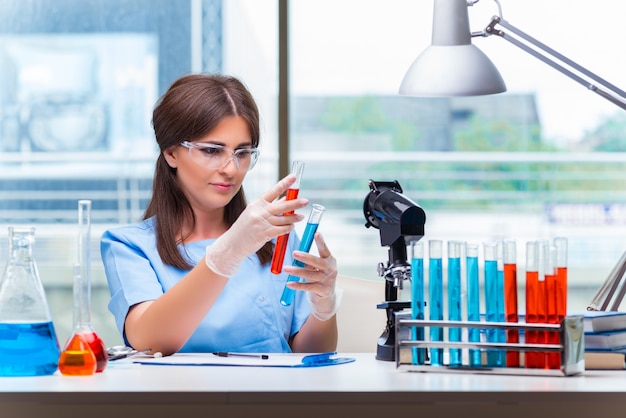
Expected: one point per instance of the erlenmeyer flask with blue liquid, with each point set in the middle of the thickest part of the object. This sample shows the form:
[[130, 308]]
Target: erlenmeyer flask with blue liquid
[[28, 341]]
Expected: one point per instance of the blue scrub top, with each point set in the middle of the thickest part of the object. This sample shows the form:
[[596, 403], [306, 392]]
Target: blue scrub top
[[247, 316]]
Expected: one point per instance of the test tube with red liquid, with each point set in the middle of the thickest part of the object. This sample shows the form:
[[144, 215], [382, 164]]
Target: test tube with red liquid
[[532, 296], [553, 359], [561, 277], [560, 244], [509, 259], [297, 167], [542, 299]]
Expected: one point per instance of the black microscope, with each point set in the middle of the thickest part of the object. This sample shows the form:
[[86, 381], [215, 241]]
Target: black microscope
[[400, 221]]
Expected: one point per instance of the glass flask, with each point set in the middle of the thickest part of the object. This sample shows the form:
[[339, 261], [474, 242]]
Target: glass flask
[[84, 352], [28, 341]]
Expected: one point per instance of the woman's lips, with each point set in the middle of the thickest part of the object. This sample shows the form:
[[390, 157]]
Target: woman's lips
[[222, 186]]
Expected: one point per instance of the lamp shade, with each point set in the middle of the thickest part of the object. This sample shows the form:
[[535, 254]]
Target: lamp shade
[[451, 65]]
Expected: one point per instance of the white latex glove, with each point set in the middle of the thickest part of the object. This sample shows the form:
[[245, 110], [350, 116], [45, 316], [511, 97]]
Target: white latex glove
[[320, 274], [325, 308], [261, 221]]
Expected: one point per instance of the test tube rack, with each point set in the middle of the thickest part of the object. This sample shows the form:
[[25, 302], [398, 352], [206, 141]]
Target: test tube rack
[[571, 345]]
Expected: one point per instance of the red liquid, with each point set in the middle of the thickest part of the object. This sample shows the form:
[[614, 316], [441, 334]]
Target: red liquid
[[561, 293], [77, 359], [510, 311], [532, 316], [99, 350], [281, 242], [542, 317], [553, 360]]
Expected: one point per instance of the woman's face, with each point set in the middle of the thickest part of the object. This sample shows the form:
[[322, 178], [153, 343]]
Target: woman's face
[[209, 176]]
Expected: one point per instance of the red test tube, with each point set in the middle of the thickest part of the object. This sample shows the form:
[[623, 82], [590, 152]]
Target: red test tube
[[561, 277], [542, 299], [553, 359], [510, 298], [297, 167], [532, 296]]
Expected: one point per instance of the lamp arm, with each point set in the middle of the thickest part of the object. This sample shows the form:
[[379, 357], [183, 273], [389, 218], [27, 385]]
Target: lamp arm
[[609, 91], [603, 297]]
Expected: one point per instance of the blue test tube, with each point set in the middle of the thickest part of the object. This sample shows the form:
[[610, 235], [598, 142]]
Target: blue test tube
[[417, 298], [305, 246], [435, 297], [454, 298], [491, 299], [473, 301], [500, 333]]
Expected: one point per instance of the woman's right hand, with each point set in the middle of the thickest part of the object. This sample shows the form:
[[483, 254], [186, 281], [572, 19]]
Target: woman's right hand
[[261, 221]]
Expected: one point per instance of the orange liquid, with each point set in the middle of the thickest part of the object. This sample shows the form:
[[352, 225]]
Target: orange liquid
[[510, 311], [542, 317], [77, 359], [561, 293], [281, 242], [553, 360], [532, 316]]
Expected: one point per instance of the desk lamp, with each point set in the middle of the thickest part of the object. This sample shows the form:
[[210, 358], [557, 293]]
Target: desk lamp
[[400, 222], [452, 66]]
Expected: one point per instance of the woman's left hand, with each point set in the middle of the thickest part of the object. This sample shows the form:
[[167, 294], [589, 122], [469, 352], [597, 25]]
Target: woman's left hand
[[320, 274]]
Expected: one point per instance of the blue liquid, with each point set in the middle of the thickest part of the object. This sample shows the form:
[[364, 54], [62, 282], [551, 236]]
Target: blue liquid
[[473, 307], [454, 306], [305, 246], [435, 297], [28, 349], [491, 305], [417, 307]]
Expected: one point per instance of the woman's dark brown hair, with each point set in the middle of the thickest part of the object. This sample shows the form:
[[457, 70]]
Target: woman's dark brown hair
[[192, 107]]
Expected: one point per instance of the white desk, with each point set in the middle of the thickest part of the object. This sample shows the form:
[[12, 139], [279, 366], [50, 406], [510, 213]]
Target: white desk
[[366, 387]]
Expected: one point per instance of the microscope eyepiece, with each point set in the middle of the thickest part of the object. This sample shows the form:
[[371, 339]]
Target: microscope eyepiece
[[395, 215]]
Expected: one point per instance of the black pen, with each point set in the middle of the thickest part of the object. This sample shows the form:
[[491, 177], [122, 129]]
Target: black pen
[[227, 354]]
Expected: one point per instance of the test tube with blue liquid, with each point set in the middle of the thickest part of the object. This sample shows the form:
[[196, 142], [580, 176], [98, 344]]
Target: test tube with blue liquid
[[435, 297], [473, 300], [500, 333], [417, 298], [491, 300], [305, 246], [454, 298]]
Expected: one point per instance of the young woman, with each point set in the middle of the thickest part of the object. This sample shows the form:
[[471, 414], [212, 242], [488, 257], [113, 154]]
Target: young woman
[[194, 275]]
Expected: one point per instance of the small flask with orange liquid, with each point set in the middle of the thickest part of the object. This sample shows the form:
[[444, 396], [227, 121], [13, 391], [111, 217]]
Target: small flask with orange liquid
[[84, 352]]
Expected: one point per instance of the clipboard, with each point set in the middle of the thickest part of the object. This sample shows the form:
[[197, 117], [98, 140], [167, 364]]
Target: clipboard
[[269, 360]]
